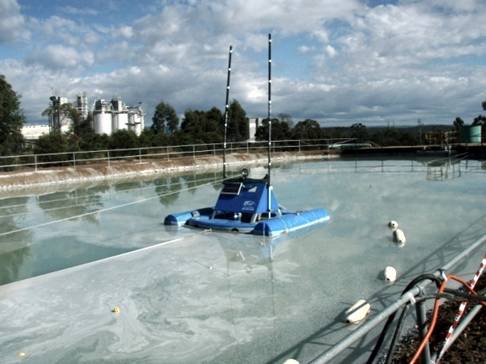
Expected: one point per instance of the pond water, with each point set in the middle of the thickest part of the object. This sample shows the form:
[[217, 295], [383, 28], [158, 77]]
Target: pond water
[[188, 296]]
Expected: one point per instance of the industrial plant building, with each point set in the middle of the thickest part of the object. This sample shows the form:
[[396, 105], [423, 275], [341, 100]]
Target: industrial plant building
[[108, 117]]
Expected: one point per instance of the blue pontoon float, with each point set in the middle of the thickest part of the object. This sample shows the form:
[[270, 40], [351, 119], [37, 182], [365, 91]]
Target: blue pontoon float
[[242, 206], [248, 205]]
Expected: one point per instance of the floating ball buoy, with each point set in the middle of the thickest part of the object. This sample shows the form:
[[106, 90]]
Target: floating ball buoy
[[390, 274], [399, 237], [357, 312], [116, 310], [290, 361], [393, 224], [21, 354]]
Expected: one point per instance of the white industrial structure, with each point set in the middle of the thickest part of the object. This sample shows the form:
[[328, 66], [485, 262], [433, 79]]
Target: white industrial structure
[[110, 116], [252, 127], [33, 132], [82, 105], [57, 119]]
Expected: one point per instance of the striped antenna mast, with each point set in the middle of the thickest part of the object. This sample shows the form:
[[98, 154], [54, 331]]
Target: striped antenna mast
[[226, 109], [269, 112]]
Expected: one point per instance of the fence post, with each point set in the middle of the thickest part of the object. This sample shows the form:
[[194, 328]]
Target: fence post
[[167, 151], [74, 159], [422, 327], [194, 152], [140, 155], [214, 149], [108, 157], [299, 146], [247, 147], [35, 162]]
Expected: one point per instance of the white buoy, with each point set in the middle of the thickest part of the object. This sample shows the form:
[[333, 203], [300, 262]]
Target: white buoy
[[357, 312], [290, 361], [393, 225], [390, 274], [399, 237]]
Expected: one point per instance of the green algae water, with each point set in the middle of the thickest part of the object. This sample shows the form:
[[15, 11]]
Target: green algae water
[[189, 296]]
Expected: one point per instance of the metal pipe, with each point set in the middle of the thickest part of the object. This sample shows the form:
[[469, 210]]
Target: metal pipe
[[226, 109], [422, 327], [460, 328], [407, 297], [269, 111]]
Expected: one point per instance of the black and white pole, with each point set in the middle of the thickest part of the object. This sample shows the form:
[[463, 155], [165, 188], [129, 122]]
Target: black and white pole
[[226, 109], [269, 119]]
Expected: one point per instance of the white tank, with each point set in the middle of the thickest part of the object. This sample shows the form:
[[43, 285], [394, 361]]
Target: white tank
[[121, 121], [102, 123]]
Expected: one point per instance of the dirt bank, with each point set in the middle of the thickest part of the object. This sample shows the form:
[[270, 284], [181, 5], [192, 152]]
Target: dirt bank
[[123, 169]]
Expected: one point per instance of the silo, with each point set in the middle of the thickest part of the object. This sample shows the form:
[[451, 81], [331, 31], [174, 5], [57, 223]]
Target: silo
[[122, 120], [102, 118]]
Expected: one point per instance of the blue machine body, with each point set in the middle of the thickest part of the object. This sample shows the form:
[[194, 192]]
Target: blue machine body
[[242, 206]]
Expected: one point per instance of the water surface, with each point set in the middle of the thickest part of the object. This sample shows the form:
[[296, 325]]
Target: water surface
[[189, 296]]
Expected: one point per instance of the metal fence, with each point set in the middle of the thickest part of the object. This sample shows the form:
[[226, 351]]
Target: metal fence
[[169, 152]]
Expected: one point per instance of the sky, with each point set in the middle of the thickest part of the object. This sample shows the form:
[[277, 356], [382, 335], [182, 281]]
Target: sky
[[335, 61]]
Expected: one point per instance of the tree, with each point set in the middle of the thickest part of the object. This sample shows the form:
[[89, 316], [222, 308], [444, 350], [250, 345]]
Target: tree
[[483, 104], [61, 114], [479, 120], [280, 130], [238, 125], [11, 120], [458, 123], [202, 126], [359, 131], [307, 129], [165, 119], [123, 139]]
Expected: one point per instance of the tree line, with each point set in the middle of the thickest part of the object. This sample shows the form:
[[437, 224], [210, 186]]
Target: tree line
[[195, 126]]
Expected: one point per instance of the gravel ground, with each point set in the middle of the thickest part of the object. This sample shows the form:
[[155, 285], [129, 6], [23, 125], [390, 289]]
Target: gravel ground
[[470, 347]]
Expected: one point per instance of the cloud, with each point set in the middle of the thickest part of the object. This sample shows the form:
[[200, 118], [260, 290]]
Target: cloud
[[57, 57], [330, 51], [12, 22], [79, 11], [335, 61]]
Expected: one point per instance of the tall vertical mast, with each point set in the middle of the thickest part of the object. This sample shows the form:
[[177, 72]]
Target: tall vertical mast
[[269, 199], [226, 109], [269, 107]]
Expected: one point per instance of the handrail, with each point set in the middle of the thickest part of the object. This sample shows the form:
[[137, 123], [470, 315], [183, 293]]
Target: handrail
[[169, 151]]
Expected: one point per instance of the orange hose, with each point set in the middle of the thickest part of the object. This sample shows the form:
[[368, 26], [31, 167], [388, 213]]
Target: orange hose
[[433, 322], [465, 284]]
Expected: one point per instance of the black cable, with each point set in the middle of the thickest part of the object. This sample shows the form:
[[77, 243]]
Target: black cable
[[396, 334], [465, 295], [449, 294], [391, 318]]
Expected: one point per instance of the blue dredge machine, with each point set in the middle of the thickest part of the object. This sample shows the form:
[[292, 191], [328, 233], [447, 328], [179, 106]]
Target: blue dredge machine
[[245, 204]]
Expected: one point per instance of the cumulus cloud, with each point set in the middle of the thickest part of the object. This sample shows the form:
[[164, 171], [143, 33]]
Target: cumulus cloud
[[12, 22], [388, 62], [57, 57]]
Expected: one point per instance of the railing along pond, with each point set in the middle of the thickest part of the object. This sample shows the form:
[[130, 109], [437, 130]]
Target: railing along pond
[[169, 152]]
